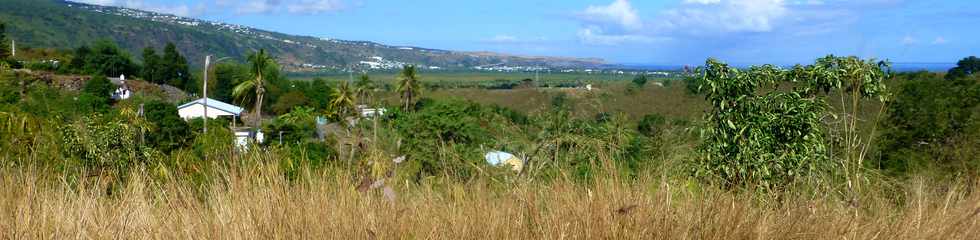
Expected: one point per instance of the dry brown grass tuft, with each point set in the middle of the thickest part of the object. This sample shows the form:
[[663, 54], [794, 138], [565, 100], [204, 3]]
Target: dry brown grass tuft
[[256, 204]]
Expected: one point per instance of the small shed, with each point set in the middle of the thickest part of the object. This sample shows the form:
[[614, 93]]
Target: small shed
[[215, 109]]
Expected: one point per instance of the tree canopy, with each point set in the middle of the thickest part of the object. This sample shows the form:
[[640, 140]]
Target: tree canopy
[[103, 58], [965, 67]]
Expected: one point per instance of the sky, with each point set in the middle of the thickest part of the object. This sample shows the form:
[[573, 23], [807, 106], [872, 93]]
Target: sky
[[667, 32]]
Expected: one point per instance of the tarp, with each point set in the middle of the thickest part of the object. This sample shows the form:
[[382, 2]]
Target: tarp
[[497, 158]]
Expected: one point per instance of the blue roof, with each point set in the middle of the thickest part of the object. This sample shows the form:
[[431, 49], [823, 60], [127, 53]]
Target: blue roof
[[215, 104]]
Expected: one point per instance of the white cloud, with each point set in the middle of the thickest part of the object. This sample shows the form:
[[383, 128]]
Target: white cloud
[[510, 39], [253, 6], [718, 16], [175, 9], [619, 22], [618, 12], [314, 6], [939, 40], [595, 36], [238, 6], [702, 1], [909, 40], [503, 39], [289, 6]]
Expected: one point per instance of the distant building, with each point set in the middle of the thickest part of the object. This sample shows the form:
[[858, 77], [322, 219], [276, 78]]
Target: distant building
[[215, 109], [370, 112], [122, 92]]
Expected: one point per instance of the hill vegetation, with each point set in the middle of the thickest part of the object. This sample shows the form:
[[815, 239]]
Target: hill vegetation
[[841, 148], [64, 24]]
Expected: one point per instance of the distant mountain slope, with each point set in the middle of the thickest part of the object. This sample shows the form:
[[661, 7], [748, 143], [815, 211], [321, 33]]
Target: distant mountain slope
[[63, 24]]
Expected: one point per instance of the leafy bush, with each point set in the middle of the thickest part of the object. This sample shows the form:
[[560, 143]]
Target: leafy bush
[[933, 124], [440, 126], [170, 131], [101, 142], [651, 125], [771, 140], [640, 80], [99, 86]]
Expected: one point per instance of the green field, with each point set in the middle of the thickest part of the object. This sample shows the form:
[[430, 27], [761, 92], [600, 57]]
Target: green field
[[458, 79]]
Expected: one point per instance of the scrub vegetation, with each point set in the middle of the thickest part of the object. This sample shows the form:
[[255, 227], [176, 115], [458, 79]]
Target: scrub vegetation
[[841, 148]]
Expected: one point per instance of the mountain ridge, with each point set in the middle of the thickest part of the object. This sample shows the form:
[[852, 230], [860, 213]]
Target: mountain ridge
[[66, 24]]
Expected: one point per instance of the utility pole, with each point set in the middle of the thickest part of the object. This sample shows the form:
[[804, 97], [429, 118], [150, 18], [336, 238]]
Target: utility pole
[[207, 61]]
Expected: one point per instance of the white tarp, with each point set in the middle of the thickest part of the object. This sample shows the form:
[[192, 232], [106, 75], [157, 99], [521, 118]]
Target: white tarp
[[497, 158]]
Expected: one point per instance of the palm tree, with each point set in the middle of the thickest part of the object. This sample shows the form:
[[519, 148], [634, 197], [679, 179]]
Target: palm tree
[[408, 85], [363, 87], [343, 100], [259, 63]]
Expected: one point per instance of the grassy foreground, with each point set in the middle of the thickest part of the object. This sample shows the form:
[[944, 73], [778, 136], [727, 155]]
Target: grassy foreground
[[258, 203]]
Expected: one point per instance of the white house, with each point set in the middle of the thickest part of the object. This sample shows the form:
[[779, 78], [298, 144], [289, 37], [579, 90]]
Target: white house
[[195, 109]]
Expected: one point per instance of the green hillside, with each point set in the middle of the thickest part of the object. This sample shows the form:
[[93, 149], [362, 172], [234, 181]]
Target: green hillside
[[63, 24]]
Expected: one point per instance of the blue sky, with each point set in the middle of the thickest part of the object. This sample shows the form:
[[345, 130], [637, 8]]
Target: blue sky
[[622, 31]]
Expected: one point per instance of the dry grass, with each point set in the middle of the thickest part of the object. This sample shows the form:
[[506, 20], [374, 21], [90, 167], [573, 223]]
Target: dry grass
[[254, 204]]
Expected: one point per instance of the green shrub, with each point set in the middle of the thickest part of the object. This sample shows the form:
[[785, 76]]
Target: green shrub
[[170, 132], [769, 141], [651, 125], [933, 124], [444, 127], [640, 80]]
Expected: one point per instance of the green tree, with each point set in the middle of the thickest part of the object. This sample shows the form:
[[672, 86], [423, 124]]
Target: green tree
[[364, 87], [343, 100], [96, 94], [408, 85], [174, 67], [4, 48], [103, 58], [965, 67], [151, 66], [290, 100], [438, 125], [259, 63], [319, 93], [771, 140], [170, 131], [933, 124], [226, 76], [99, 86], [80, 58], [640, 80]]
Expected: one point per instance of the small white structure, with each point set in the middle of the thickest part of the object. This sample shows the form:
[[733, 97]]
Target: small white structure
[[242, 139], [195, 109], [497, 158], [122, 92], [370, 112], [245, 137]]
